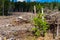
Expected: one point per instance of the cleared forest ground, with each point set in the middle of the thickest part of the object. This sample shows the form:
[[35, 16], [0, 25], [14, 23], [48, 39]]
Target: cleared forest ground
[[10, 28]]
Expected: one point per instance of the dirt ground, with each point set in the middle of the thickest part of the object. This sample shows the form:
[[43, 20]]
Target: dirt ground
[[11, 28]]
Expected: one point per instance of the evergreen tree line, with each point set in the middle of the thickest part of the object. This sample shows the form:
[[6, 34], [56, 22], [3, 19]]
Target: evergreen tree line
[[6, 6]]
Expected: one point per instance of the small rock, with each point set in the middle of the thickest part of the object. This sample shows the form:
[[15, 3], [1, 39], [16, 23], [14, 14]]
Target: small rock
[[20, 17]]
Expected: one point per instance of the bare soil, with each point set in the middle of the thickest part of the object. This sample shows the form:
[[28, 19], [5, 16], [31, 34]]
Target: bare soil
[[18, 30], [13, 28]]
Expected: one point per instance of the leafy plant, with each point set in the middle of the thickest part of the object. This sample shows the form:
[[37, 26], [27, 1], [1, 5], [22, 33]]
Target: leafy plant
[[40, 24]]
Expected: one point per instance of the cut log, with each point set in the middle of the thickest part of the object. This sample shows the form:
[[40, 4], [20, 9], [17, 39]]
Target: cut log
[[21, 19]]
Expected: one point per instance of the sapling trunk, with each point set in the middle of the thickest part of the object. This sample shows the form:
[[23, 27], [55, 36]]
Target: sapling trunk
[[35, 10]]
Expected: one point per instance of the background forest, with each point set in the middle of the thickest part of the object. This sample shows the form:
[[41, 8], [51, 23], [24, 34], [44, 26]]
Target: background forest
[[6, 6]]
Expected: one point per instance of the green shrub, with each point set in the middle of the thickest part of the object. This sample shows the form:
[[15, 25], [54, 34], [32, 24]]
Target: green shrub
[[40, 24]]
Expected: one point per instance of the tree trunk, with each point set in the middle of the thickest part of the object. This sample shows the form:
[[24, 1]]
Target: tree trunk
[[35, 10], [3, 8]]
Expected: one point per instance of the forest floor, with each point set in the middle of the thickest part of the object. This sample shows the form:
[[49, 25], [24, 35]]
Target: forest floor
[[11, 27]]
